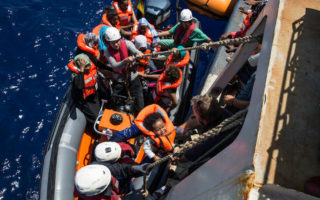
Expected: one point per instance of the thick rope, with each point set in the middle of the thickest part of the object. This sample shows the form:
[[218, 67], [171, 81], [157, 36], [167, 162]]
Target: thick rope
[[240, 40], [225, 125]]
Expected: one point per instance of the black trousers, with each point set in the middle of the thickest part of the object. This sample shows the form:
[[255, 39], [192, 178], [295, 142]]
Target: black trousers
[[135, 89]]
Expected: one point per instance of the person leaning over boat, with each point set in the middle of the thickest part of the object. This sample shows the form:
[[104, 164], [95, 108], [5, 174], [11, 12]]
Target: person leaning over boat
[[208, 112], [241, 100], [125, 11], [184, 33], [86, 88], [118, 54], [113, 152], [101, 180], [164, 93]]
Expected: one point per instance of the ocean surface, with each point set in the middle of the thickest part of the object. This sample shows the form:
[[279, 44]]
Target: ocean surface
[[37, 40]]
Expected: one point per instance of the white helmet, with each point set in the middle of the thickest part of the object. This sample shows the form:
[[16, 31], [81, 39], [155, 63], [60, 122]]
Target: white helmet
[[108, 152], [92, 179], [112, 34], [186, 15]]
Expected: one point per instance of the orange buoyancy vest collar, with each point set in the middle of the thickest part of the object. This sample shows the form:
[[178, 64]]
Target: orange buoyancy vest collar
[[124, 17], [183, 62], [162, 85], [135, 32], [96, 29], [143, 62], [83, 46], [165, 142], [185, 37], [90, 79], [106, 22], [247, 24]]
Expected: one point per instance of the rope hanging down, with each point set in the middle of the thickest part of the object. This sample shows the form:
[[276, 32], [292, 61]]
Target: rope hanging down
[[225, 125], [245, 39]]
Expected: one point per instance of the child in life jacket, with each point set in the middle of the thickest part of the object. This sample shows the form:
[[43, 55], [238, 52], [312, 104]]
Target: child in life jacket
[[164, 92], [178, 58], [161, 138]]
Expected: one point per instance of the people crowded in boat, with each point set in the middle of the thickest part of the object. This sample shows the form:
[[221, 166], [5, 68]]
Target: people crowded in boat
[[105, 49]]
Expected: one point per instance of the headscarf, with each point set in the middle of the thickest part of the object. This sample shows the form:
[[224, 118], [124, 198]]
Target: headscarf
[[140, 41], [102, 32], [182, 53], [83, 56], [91, 39], [144, 22]]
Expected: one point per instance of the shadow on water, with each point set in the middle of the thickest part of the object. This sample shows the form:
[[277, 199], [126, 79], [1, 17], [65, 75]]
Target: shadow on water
[[296, 140]]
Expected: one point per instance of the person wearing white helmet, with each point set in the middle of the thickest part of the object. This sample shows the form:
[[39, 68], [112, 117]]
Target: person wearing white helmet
[[100, 180], [113, 152], [184, 33], [119, 54]]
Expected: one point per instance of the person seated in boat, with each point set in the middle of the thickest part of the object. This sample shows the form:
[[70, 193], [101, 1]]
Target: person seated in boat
[[112, 152], [87, 89], [156, 123], [111, 19], [105, 181], [241, 100], [184, 33], [143, 27], [178, 59], [209, 114], [125, 12], [119, 56], [143, 64], [164, 92], [158, 128]]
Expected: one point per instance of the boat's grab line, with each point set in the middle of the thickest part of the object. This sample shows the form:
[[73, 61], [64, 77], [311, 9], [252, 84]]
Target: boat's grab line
[[208, 45], [227, 124]]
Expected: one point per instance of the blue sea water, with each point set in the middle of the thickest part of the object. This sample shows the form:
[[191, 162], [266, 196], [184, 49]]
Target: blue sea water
[[37, 40]]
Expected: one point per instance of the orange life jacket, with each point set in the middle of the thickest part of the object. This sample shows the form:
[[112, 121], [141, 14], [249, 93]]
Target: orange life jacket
[[185, 38], [96, 29], [90, 79], [143, 62], [164, 142], [106, 22], [181, 63], [162, 85], [246, 25], [83, 46], [135, 32], [124, 17]]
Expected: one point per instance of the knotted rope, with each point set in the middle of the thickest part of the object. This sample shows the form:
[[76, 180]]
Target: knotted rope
[[235, 41]]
